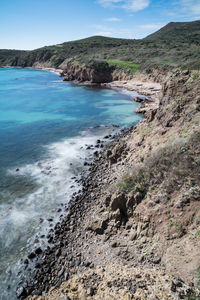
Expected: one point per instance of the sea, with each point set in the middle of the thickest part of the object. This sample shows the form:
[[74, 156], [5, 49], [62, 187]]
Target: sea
[[48, 129]]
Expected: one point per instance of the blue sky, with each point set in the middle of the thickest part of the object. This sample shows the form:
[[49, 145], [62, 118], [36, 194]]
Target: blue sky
[[30, 24]]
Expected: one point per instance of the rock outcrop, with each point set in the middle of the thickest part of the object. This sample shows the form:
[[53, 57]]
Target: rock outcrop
[[94, 72]]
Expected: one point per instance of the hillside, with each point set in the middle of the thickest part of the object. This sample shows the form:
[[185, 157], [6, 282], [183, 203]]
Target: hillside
[[175, 45], [178, 31]]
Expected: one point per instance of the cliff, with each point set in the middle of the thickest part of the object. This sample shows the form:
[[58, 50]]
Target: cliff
[[134, 231], [95, 72]]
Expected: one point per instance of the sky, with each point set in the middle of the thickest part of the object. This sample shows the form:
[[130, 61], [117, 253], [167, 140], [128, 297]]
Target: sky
[[30, 24]]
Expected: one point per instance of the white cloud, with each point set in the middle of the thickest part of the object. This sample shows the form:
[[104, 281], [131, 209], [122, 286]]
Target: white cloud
[[109, 2], [136, 5], [192, 7], [112, 32], [104, 33], [151, 26], [113, 19], [187, 9], [130, 5]]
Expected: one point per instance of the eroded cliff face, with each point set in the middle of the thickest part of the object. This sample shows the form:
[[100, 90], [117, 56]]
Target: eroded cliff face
[[100, 72], [95, 72]]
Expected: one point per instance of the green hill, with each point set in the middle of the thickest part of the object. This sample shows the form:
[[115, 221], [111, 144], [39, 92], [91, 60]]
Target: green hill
[[174, 45], [178, 31]]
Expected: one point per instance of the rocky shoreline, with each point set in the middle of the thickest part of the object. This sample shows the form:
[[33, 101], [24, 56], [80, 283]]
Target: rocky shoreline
[[130, 235]]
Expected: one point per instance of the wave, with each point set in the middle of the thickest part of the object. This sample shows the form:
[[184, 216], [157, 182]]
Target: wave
[[26, 220]]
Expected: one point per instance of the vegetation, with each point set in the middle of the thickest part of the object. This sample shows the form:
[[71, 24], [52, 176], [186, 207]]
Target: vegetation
[[175, 45], [128, 66]]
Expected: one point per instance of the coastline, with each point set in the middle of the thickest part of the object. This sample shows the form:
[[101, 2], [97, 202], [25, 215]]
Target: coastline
[[107, 228], [146, 88], [57, 71]]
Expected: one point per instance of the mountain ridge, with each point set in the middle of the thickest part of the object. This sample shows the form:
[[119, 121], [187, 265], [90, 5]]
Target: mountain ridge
[[175, 45]]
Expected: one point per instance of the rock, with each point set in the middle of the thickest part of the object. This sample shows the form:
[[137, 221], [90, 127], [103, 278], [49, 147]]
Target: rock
[[108, 153], [107, 200], [138, 99], [96, 153], [156, 260], [21, 292], [138, 197], [173, 287], [90, 291], [60, 273], [26, 262], [132, 235], [96, 71], [31, 255], [17, 170], [118, 201], [86, 263], [38, 251], [114, 244], [58, 252], [98, 226], [66, 276]]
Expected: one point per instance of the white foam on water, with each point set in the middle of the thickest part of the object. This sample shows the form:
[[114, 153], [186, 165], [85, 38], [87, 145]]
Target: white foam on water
[[129, 93], [55, 176]]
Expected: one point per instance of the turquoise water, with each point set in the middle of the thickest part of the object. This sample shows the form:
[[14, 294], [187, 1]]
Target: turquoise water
[[45, 125]]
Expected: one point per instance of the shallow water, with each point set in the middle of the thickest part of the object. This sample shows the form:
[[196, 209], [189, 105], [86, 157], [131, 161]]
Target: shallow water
[[45, 126]]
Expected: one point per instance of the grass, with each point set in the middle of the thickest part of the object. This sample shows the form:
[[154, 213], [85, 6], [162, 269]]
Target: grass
[[128, 66], [197, 234], [198, 276], [195, 76], [134, 182]]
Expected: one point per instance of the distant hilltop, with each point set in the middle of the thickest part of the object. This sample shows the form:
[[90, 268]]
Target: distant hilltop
[[175, 45]]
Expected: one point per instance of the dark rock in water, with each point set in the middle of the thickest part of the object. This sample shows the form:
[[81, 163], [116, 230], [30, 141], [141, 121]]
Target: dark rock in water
[[31, 255], [38, 251], [21, 292], [26, 262], [17, 170], [96, 153]]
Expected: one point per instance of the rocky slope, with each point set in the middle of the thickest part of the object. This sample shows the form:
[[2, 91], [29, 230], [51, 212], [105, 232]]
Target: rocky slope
[[134, 232]]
